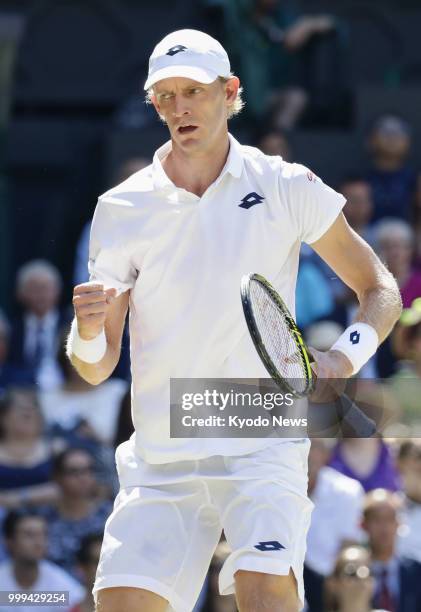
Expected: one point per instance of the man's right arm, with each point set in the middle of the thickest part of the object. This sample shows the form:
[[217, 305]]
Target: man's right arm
[[98, 309]]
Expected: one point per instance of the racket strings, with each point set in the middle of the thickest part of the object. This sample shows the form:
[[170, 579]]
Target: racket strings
[[278, 337]]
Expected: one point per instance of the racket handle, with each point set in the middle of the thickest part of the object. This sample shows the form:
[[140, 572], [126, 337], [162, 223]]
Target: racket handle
[[354, 417]]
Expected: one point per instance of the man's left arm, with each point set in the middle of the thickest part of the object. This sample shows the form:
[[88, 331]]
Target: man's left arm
[[380, 305]]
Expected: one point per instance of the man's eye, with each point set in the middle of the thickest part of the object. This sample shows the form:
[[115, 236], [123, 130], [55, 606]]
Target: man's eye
[[166, 97], [196, 90]]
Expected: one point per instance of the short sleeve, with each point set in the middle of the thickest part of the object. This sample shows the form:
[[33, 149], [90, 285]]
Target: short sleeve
[[109, 263], [313, 204]]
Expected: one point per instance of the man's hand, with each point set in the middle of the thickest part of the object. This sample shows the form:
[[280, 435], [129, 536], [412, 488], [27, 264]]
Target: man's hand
[[91, 302], [331, 368]]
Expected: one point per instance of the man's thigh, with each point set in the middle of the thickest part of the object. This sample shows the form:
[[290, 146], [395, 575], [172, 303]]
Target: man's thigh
[[130, 600], [266, 517], [160, 540]]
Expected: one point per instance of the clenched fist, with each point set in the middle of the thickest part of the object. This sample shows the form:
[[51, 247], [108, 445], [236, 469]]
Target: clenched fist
[[91, 302]]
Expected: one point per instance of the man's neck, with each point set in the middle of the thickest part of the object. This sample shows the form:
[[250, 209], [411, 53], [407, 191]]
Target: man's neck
[[196, 173], [25, 574]]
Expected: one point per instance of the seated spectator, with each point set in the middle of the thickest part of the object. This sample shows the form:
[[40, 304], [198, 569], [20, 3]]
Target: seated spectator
[[27, 569], [397, 580], [335, 520], [78, 404], [87, 563], [409, 464], [35, 331], [10, 374], [394, 243], [406, 382], [393, 181], [350, 587], [368, 460], [287, 63], [78, 511], [26, 455], [358, 209]]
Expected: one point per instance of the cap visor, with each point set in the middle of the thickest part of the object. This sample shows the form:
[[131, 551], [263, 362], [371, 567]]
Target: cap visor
[[189, 72]]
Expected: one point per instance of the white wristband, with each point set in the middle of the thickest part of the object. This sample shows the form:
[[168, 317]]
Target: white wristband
[[359, 342], [90, 351]]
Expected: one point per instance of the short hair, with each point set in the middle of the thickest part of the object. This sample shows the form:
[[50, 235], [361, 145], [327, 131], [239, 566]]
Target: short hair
[[35, 267], [389, 225], [235, 108], [353, 178], [376, 497], [82, 554], [14, 517]]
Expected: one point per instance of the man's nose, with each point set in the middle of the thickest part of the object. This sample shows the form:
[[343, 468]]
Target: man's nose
[[180, 106]]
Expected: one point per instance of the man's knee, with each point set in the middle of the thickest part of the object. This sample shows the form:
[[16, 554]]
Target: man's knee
[[129, 599], [256, 591]]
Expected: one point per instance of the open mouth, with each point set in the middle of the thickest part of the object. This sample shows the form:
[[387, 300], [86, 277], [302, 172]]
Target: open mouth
[[187, 129]]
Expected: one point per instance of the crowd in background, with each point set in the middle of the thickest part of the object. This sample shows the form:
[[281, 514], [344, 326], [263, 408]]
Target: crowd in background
[[58, 433]]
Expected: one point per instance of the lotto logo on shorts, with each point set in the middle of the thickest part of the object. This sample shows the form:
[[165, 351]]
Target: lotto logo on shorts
[[354, 337], [266, 546]]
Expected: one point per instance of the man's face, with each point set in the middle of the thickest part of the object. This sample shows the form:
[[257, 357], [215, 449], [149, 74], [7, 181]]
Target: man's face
[[359, 205], [77, 476], [39, 294], [196, 114], [29, 542], [23, 418], [381, 524]]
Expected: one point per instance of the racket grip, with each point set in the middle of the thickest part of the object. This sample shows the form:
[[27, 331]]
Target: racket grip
[[354, 417]]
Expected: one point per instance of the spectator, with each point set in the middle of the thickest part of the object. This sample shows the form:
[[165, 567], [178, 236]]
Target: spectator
[[368, 460], [78, 511], [392, 180], [406, 382], [25, 453], [286, 63], [27, 570], [358, 209], [350, 588], [394, 242], [87, 561], [274, 142], [335, 520], [9, 374], [397, 580], [409, 464], [35, 332], [76, 404]]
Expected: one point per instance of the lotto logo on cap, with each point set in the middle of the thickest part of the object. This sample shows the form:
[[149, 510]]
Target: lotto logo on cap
[[188, 53]]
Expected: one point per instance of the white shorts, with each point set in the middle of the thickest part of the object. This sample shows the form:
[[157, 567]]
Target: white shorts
[[161, 537]]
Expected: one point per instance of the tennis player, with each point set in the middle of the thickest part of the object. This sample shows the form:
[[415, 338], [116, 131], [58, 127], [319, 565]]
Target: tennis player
[[171, 243]]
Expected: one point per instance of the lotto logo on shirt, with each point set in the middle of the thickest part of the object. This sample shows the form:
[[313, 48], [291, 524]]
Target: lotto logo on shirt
[[311, 177]]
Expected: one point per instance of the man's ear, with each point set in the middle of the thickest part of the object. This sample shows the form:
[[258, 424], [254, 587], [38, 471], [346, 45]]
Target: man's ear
[[231, 89]]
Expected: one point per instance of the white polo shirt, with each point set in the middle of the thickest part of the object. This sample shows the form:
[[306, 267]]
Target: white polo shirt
[[182, 258]]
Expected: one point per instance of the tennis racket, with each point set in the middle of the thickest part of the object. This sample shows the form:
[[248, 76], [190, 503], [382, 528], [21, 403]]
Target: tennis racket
[[283, 351]]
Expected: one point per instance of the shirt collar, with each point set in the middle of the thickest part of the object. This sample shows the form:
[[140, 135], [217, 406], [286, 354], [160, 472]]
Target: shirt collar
[[392, 566], [233, 165]]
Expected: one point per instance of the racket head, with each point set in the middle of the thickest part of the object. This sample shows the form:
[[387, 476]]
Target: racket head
[[251, 312]]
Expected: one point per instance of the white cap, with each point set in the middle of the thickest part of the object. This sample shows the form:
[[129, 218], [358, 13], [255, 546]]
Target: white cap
[[188, 53]]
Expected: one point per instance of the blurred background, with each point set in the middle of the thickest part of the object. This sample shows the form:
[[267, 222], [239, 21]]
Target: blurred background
[[334, 86]]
